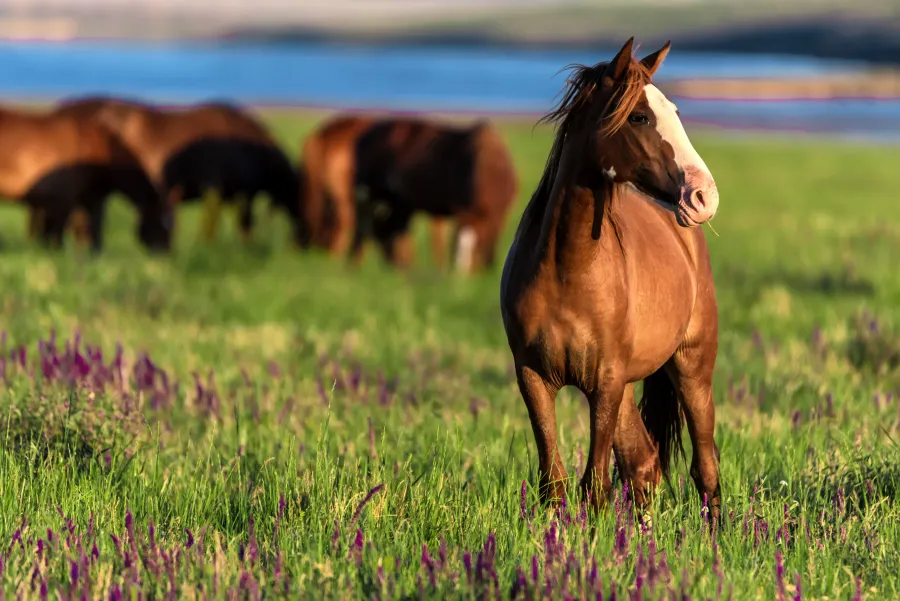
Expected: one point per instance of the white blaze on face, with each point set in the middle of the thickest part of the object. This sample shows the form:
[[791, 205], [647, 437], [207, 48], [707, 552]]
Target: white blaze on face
[[465, 248], [670, 129]]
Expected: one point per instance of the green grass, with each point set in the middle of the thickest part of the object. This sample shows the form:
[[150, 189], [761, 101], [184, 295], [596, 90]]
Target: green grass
[[806, 390]]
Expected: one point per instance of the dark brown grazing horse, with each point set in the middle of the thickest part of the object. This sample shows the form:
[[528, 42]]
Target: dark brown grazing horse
[[608, 282], [58, 165], [405, 166], [213, 146], [327, 169]]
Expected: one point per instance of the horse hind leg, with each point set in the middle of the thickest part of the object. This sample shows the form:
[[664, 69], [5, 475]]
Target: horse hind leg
[[692, 379], [540, 399], [466, 245], [636, 455], [476, 242], [439, 242]]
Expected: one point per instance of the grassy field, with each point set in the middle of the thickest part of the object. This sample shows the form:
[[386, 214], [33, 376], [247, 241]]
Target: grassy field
[[276, 424]]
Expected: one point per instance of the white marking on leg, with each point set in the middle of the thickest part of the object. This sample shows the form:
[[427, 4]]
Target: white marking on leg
[[670, 129], [610, 173], [465, 248]]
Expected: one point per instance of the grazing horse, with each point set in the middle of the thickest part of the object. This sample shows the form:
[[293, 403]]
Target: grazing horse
[[405, 166], [59, 165], [608, 282], [190, 151], [327, 168]]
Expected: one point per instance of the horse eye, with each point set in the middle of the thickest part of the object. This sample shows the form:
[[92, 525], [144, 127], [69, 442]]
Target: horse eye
[[638, 119]]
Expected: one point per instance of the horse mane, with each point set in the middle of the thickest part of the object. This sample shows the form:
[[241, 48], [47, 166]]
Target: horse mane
[[572, 111]]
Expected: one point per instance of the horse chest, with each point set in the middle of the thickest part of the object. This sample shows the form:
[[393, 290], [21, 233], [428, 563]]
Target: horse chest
[[567, 332]]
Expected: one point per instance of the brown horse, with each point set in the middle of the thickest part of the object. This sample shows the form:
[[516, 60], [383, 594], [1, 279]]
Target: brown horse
[[405, 166], [608, 282], [58, 165], [213, 146], [327, 168]]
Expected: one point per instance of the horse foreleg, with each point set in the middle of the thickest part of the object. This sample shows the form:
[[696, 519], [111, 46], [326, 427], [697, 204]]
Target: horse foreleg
[[54, 228], [362, 230], [399, 249], [487, 245], [173, 199], [347, 210], [605, 401], [358, 249], [540, 399], [81, 223], [439, 227], [394, 235], [36, 218], [635, 453], [95, 220], [245, 217], [209, 220]]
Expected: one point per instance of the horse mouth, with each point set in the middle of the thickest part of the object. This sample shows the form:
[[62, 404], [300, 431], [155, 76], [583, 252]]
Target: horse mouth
[[683, 218]]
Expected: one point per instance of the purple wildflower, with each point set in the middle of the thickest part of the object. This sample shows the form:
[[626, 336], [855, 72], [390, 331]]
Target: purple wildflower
[[356, 548], [523, 501], [335, 538], [364, 502], [779, 576]]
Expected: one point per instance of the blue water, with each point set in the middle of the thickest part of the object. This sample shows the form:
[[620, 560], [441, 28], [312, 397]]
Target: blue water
[[404, 78]]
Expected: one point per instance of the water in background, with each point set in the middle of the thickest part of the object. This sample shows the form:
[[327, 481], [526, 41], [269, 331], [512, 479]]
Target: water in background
[[404, 78]]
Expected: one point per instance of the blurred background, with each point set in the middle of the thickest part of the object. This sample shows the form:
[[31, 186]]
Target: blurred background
[[802, 66]]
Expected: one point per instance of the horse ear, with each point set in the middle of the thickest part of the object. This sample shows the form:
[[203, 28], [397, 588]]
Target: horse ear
[[653, 61], [620, 63]]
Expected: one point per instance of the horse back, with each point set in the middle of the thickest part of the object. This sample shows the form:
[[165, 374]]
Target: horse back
[[420, 164], [34, 145]]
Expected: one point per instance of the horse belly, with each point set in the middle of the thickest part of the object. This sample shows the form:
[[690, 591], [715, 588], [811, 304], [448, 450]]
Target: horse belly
[[22, 169], [660, 313]]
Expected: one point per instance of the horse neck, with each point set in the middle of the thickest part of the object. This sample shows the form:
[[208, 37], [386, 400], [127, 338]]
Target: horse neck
[[132, 181], [569, 213]]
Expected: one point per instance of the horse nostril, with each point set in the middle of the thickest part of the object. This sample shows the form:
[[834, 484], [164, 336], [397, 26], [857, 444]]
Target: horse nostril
[[698, 199]]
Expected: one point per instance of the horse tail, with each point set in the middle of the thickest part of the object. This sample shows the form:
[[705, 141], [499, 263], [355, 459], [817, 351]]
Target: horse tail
[[662, 415]]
